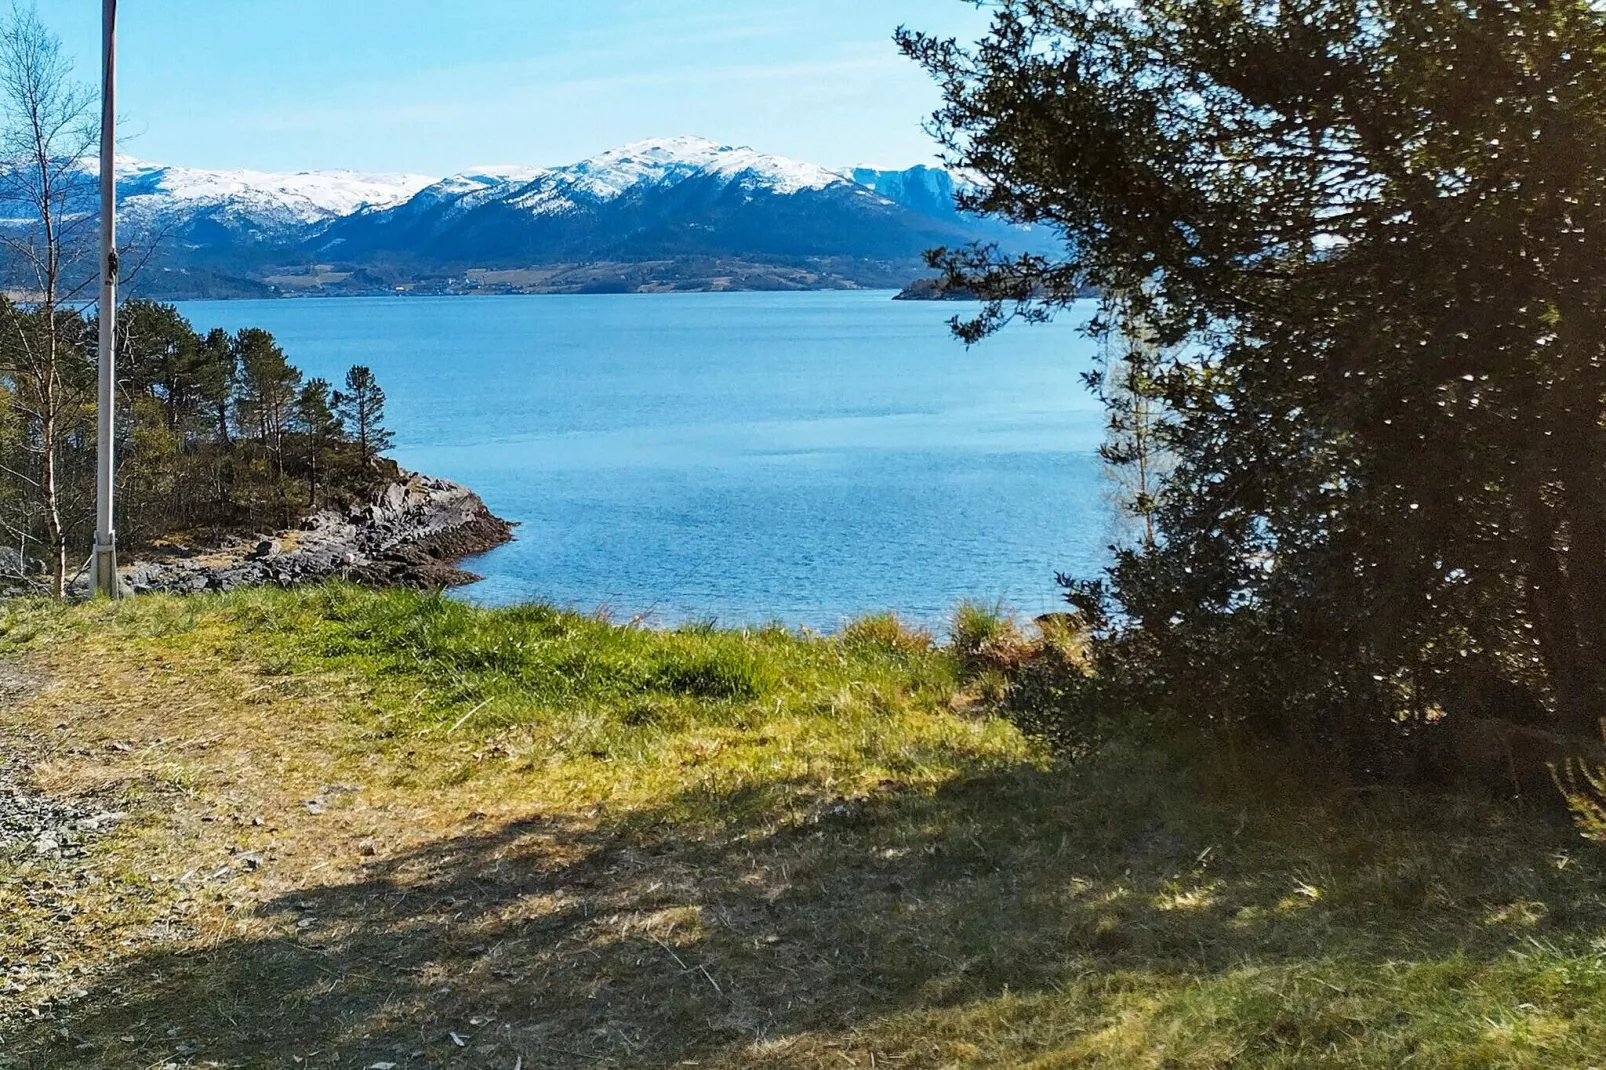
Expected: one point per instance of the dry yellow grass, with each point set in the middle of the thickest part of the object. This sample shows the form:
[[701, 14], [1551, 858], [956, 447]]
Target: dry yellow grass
[[370, 829]]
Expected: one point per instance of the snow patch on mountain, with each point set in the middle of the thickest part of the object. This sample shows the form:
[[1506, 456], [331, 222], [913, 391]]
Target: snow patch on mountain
[[660, 161], [467, 191], [153, 192], [503, 175], [618, 173], [928, 190]]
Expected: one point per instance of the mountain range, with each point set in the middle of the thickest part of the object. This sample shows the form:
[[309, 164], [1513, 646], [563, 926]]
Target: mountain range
[[679, 213]]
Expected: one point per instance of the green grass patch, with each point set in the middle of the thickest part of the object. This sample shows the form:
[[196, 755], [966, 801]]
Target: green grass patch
[[610, 712], [611, 846]]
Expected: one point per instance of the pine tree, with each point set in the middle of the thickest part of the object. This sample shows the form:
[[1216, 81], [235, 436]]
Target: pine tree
[[269, 385], [216, 372], [320, 429], [362, 407]]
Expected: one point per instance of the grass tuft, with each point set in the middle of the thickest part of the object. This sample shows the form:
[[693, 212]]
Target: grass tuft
[[885, 632]]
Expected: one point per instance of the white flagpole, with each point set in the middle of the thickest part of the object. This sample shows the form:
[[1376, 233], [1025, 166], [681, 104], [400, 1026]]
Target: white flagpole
[[105, 532]]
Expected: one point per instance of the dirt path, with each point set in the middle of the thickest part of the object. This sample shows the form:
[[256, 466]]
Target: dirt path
[[26, 816]]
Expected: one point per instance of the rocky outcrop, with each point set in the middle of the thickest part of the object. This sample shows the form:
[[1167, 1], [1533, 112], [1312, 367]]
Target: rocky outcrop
[[409, 535]]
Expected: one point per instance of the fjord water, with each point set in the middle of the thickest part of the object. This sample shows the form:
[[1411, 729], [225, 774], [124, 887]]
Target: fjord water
[[747, 457]]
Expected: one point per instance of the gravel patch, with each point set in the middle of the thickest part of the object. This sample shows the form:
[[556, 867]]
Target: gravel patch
[[41, 824], [31, 822]]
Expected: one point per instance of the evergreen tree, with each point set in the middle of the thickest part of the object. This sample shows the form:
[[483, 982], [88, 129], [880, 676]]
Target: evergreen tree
[[216, 370], [1380, 229], [157, 414], [321, 431], [159, 353], [269, 385], [362, 406]]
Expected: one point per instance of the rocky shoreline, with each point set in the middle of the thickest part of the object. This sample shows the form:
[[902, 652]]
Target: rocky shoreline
[[411, 534]]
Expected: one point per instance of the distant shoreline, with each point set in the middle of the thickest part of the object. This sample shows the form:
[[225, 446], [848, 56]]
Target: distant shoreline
[[890, 292], [687, 274]]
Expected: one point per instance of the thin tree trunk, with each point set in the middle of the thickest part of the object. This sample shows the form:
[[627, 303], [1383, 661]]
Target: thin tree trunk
[[1585, 509], [1554, 619], [48, 483], [312, 475]]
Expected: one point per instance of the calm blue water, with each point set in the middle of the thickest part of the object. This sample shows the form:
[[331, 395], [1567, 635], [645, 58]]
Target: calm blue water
[[747, 457]]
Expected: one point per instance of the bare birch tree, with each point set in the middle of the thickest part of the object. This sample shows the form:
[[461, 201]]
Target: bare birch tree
[[48, 132]]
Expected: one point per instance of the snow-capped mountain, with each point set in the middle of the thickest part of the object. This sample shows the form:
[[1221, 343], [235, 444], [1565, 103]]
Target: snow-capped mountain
[[632, 170], [653, 201], [664, 162], [249, 202]]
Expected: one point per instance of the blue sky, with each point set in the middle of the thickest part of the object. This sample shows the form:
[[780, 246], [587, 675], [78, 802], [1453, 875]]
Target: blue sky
[[437, 86]]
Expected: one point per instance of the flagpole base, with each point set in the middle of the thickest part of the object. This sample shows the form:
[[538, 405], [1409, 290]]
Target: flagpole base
[[105, 570]]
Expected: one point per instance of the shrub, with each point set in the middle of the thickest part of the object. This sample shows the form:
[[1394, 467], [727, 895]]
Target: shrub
[[1054, 695], [1044, 683]]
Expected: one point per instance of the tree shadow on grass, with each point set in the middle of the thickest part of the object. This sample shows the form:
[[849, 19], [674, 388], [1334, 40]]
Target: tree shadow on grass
[[629, 942]]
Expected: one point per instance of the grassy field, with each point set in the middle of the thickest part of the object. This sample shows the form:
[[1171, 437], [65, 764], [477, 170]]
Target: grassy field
[[386, 829]]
